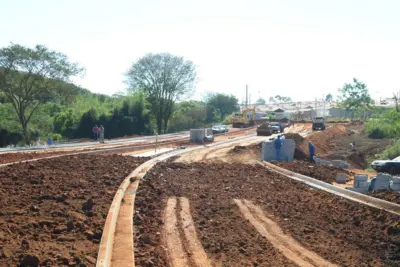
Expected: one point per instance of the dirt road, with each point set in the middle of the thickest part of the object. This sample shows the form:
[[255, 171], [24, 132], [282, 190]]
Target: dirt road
[[244, 215], [53, 211]]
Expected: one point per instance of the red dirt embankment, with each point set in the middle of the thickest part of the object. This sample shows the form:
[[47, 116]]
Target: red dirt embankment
[[320, 172], [339, 230], [53, 211]]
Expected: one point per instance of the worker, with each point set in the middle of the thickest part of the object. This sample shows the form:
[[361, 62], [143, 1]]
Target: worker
[[278, 145], [101, 132], [353, 145], [311, 148], [282, 137]]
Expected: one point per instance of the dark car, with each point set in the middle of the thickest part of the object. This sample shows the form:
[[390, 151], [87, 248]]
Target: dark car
[[389, 166]]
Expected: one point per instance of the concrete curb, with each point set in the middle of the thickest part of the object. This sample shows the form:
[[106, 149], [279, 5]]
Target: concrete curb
[[107, 240], [351, 195]]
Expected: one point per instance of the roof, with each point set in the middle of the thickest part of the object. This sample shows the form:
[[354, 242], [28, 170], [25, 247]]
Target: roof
[[279, 110]]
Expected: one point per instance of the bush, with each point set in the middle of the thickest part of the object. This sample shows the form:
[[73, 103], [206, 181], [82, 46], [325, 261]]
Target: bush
[[56, 137], [386, 125]]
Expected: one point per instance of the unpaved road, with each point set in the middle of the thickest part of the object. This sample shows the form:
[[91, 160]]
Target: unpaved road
[[244, 215], [53, 211]]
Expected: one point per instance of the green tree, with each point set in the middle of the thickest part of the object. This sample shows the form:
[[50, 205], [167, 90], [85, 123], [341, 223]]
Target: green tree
[[260, 101], [281, 99], [272, 100], [165, 79], [354, 96], [30, 77], [329, 98], [220, 105]]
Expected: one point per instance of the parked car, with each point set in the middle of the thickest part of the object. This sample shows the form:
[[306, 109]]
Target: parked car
[[278, 126], [389, 166], [217, 129], [225, 128]]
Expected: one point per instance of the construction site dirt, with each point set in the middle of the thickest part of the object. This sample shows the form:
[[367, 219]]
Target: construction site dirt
[[320, 172], [246, 215], [53, 210]]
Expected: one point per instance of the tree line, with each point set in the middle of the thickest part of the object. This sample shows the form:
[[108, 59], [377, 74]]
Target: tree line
[[39, 99]]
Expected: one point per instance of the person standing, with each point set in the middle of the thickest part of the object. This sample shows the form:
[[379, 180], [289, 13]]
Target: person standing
[[311, 149], [95, 131], [278, 146], [101, 131]]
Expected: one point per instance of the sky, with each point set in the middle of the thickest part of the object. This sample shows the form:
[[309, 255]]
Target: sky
[[301, 49]]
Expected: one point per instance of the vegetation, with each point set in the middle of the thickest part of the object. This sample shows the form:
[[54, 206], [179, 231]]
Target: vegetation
[[165, 79], [355, 96], [280, 99], [31, 77], [37, 99], [260, 101], [219, 106], [386, 125]]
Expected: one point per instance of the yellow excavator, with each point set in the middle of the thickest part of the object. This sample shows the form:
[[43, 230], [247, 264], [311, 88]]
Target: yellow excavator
[[244, 119]]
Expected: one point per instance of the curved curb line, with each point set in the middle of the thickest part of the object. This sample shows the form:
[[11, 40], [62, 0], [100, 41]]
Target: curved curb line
[[104, 257], [351, 195]]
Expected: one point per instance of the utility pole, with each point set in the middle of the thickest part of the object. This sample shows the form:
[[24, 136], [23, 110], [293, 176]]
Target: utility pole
[[247, 95], [249, 99]]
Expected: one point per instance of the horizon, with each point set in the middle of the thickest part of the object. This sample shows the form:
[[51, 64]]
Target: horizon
[[301, 50]]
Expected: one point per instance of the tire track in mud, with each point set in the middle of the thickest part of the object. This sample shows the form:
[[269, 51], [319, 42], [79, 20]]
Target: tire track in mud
[[183, 249], [274, 234]]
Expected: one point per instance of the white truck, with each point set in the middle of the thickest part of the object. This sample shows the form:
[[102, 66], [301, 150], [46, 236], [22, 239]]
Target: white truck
[[318, 123]]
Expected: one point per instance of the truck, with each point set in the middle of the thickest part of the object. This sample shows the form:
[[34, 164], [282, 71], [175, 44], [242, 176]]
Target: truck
[[267, 129], [389, 166], [318, 123]]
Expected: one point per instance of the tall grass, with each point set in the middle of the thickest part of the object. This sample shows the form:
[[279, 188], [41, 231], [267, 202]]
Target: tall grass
[[386, 125]]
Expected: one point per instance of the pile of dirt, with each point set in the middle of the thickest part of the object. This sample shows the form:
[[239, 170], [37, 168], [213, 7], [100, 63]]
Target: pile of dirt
[[298, 139], [53, 210], [299, 153], [323, 140], [387, 195], [341, 231], [255, 148], [321, 172]]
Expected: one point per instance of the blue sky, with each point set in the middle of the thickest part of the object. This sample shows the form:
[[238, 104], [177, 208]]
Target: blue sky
[[303, 49]]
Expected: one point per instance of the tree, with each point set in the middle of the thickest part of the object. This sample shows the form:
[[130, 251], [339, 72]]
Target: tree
[[280, 99], [354, 95], [272, 100], [329, 98], [220, 105], [30, 77], [260, 101], [165, 79], [396, 101]]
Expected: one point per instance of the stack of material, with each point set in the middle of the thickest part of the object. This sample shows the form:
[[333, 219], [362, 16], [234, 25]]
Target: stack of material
[[340, 164], [396, 184], [382, 182], [287, 151], [341, 178], [197, 135], [361, 184]]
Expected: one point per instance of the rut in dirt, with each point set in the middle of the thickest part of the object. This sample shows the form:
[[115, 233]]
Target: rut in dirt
[[339, 231]]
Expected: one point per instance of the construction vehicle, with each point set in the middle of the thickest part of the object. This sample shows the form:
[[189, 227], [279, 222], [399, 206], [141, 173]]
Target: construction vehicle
[[318, 123], [267, 129], [244, 119]]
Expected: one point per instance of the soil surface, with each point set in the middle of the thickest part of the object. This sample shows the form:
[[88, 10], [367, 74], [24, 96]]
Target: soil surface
[[338, 230], [53, 210], [320, 172], [388, 196]]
